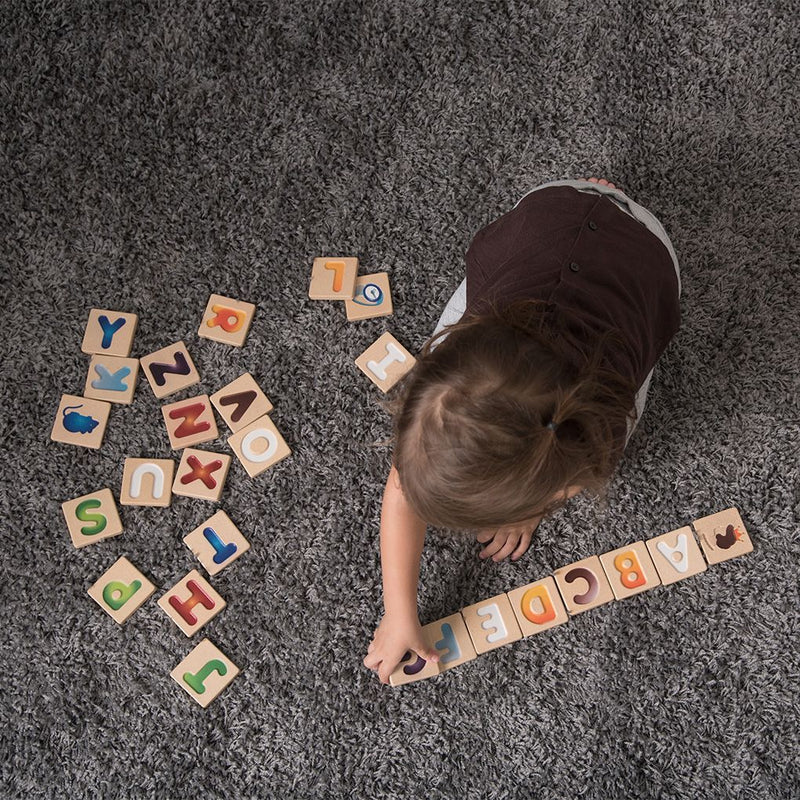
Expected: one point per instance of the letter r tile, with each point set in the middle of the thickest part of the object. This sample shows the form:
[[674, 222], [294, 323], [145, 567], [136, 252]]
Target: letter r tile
[[226, 320]]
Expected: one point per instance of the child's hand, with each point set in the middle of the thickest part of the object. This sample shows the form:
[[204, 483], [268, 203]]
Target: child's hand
[[392, 639], [512, 540]]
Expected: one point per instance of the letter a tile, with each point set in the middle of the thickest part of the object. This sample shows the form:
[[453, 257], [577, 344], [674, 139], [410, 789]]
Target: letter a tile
[[191, 603], [121, 590], [385, 362], [723, 536], [226, 320], [241, 402], [204, 673], [491, 623], [201, 474], [169, 370], [92, 517], [676, 555]]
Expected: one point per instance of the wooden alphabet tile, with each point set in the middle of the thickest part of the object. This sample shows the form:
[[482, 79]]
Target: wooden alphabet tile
[[80, 421], [112, 378], [583, 585], [333, 278], [385, 361], [170, 369], [191, 603], [259, 445], [226, 320], [201, 474], [372, 297], [413, 668], [121, 590], [450, 637], [109, 332], [630, 570], [491, 623], [204, 673], [92, 517], [190, 421], [241, 402], [538, 606], [147, 482], [676, 555], [217, 542], [723, 536]]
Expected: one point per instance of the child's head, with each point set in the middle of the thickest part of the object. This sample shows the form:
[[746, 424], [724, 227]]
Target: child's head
[[503, 413]]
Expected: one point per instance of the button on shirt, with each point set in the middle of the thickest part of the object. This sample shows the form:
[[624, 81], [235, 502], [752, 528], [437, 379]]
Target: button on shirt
[[601, 268]]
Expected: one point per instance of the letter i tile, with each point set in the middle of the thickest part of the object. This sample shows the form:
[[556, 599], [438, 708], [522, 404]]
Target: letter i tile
[[121, 590], [226, 320], [491, 623], [630, 570], [450, 638], [538, 606], [583, 585], [204, 673], [191, 603], [723, 536], [676, 555], [217, 542], [385, 362], [92, 517]]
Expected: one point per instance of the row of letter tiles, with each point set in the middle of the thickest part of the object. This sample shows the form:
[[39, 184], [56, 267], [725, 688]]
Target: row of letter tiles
[[575, 588]]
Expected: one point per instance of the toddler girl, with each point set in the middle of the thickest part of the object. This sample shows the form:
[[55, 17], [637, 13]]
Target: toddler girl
[[530, 387]]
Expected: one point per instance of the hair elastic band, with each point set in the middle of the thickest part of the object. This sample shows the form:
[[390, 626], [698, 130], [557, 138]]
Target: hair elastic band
[[551, 426]]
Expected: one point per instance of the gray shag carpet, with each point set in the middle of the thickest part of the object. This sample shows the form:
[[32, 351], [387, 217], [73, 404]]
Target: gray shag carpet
[[155, 152]]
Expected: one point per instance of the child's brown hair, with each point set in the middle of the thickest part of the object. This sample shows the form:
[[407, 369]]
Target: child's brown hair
[[503, 412]]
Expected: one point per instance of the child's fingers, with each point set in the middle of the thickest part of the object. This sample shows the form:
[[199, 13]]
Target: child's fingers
[[523, 545], [371, 661], [507, 549], [495, 545], [485, 536]]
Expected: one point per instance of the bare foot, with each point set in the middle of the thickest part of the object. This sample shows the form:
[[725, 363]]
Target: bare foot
[[602, 182]]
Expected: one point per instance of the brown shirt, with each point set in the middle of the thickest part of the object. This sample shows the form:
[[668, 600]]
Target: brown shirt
[[597, 265]]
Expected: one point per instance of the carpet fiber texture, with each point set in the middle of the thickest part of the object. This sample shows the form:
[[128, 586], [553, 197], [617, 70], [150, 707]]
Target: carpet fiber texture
[[156, 152]]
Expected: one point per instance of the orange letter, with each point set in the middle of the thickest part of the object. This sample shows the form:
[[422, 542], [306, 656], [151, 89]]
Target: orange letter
[[229, 319], [337, 267], [538, 593], [630, 570]]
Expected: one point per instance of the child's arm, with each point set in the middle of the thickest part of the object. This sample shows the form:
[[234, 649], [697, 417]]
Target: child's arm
[[402, 538]]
